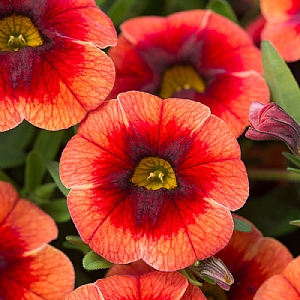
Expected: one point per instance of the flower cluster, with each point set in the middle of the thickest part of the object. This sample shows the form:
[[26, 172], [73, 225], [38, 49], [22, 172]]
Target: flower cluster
[[154, 169]]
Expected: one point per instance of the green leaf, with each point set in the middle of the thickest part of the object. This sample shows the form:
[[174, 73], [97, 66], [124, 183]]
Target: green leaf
[[48, 144], [241, 225], [75, 242], [223, 8], [272, 212], [297, 171], [33, 171], [18, 137], [292, 158], [45, 191], [295, 222], [53, 168], [283, 86], [93, 261], [58, 210], [11, 157]]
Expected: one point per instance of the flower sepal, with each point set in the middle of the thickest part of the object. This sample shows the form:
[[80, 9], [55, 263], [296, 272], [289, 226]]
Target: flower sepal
[[92, 261], [75, 242]]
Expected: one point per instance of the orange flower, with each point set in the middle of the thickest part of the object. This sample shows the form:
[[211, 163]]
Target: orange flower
[[283, 26], [154, 179], [282, 286], [251, 259], [196, 55], [52, 70], [29, 268], [145, 285]]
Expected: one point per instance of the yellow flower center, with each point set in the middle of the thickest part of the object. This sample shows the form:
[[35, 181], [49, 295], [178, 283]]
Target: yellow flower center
[[213, 292], [154, 173], [18, 31], [178, 78]]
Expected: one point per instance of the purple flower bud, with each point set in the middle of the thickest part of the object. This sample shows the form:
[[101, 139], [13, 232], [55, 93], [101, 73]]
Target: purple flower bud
[[271, 122]]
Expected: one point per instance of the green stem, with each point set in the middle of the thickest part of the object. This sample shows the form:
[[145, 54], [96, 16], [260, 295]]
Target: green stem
[[272, 174]]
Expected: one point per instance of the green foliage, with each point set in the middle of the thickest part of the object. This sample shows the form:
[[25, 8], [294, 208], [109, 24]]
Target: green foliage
[[92, 261], [283, 86], [241, 225], [272, 212], [223, 8], [57, 209], [53, 168]]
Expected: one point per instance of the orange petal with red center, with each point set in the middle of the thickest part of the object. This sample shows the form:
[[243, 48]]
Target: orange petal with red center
[[167, 228], [88, 291], [21, 231], [89, 23], [232, 103], [277, 11], [252, 259], [282, 286], [54, 88], [193, 292], [154, 285], [136, 268], [285, 37], [282, 27], [46, 274]]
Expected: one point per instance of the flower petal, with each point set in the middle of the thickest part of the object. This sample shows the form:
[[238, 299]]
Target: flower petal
[[47, 274], [19, 230], [54, 89], [88, 291], [154, 285]]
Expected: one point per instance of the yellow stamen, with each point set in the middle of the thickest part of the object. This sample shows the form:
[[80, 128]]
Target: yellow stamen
[[154, 173], [18, 31], [178, 78]]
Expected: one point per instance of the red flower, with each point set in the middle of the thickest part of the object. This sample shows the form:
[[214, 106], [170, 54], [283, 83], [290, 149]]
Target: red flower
[[153, 285], [153, 179], [283, 26], [251, 259], [51, 72], [282, 286], [254, 29], [29, 268], [271, 122], [196, 55]]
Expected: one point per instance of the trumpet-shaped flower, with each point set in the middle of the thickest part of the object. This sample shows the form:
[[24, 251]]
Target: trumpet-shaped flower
[[52, 69], [251, 259], [29, 268], [153, 179], [271, 122], [196, 55], [282, 26], [282, 286], [146, 286]]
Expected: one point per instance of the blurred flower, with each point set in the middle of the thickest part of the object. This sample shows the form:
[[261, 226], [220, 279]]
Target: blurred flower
[[283, 26], [152, 285], [282, 286], [271, 122], [254, 29], [196, 55], [52, 70], [251, 259], [29, 268], [153, 179]]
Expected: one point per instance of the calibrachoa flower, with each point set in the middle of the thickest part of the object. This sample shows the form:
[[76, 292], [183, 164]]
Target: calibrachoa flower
[[196, 55], [153, 179], [283, 26], [282, 286], [271, 122], [148, 286], [251, 259], [52, 69], [29, 268]]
